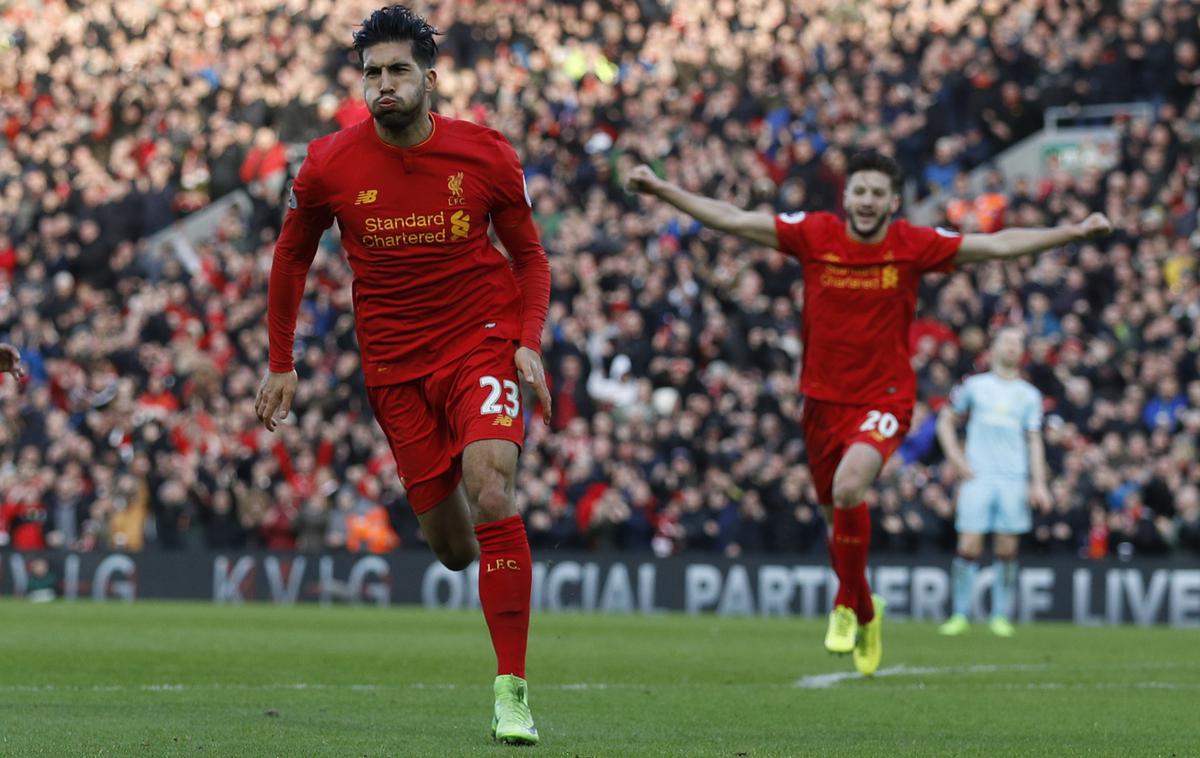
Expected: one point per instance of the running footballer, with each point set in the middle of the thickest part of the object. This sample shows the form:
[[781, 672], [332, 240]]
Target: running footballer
[[446, 323], [860, 291]]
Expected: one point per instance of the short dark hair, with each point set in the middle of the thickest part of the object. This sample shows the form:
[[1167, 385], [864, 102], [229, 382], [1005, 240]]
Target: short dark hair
[[871, 161], [396, 23]]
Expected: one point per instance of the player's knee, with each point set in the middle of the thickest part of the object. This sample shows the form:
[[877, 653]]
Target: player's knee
[[490, 496], [456, 561], [970, 546], [848, 492], [493, 502], [457, 555], [455, 551]]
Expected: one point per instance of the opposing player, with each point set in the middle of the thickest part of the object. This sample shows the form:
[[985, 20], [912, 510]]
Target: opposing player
[[1003, 471], [446, 323], [860, 293]]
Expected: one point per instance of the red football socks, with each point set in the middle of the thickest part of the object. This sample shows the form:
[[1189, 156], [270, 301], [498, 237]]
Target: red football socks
[[848, 549], [505, 581]]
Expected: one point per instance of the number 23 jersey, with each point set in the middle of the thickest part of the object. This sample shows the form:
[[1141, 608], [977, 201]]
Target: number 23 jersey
[[428, 283]]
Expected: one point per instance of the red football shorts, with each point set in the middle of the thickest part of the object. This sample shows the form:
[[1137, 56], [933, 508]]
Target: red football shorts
[[428, 421], [831, 428]]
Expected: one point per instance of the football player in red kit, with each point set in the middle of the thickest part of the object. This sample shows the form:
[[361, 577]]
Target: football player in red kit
[[446, 323], [860, 293]]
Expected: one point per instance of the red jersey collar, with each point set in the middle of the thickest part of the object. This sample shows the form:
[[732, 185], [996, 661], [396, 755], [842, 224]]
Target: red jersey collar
[[422, 145]]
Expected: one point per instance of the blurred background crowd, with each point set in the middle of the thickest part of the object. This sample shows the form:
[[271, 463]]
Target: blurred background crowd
[[673, 351]]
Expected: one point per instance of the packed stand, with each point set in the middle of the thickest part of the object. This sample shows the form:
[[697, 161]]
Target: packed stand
[[674, 352]]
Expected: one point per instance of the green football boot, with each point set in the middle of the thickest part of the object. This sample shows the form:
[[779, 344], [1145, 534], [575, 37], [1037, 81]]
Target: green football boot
[[1002, 627], [512, 723], [843, 629], [955, 625], [868, 652]]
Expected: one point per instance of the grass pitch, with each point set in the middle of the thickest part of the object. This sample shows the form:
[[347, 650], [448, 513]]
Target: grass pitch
[[180, 679]]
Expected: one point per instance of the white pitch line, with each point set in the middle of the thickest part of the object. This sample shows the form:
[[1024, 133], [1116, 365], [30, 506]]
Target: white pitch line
[[816, 681], [825, 681]]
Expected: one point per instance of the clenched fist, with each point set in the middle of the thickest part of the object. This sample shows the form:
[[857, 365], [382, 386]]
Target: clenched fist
[[1095, 225], [641, 180]]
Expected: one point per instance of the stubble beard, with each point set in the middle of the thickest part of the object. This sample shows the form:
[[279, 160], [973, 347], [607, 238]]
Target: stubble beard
[[869, 233], [396, 120]]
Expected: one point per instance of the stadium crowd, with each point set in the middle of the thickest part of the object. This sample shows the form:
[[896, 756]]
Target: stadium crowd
[[674, 352]]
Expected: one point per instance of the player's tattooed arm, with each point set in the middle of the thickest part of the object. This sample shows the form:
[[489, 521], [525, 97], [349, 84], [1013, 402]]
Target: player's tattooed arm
[[1014, 243], [754, 226]]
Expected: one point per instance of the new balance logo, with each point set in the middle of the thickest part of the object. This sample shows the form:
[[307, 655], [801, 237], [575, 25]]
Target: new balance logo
[[366, 197], [504, 421]]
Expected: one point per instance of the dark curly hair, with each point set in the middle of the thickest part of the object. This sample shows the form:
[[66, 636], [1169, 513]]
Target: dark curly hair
[[871, 161], [396, 23]]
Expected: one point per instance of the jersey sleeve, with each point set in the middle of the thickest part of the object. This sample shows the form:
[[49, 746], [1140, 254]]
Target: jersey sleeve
[[1033, 414], [510, 196], [793, 232], [960, 398], [935, 248], [512, 216], [308, 216]]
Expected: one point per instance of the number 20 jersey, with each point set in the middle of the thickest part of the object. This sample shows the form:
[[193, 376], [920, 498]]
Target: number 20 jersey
[[859, 303]]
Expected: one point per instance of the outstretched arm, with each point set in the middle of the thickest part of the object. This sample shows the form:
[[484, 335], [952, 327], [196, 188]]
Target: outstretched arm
[[1014, 243], [715, 214]]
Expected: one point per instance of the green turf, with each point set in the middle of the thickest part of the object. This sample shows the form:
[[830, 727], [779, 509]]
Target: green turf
[[175, 679]]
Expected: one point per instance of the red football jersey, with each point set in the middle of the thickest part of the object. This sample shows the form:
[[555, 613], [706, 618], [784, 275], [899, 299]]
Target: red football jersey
[[428, 284], [859, 301]]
